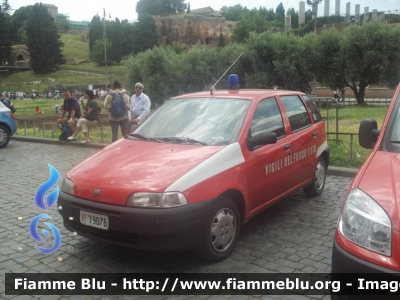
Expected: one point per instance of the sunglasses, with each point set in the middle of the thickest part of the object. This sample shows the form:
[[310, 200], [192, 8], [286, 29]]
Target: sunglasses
[[138, 87]]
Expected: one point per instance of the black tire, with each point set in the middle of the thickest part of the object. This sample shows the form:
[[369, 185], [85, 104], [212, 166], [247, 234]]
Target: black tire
[[4, 136], [318, 182], [221, 232]]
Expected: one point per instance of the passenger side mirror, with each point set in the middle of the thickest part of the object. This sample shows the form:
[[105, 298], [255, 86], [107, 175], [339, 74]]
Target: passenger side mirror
[[264, 138], [368, 133]]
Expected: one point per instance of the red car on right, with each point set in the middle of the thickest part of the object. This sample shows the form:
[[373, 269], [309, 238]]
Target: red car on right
[[367, 238]]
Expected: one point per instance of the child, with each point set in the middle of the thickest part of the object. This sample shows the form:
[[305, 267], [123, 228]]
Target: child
[[37, 110]]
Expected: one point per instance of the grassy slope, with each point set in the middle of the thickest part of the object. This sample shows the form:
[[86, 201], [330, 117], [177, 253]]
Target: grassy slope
[[75, 48]]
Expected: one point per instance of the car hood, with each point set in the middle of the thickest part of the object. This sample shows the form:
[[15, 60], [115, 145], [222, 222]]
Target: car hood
[[381, 181], [129, 166]]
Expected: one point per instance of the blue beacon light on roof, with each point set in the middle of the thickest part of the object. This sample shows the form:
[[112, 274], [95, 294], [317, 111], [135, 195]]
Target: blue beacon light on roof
[[233, 82]]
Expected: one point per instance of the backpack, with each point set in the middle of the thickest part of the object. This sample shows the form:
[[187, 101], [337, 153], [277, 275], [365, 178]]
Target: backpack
[[118, 106], [65, 133]]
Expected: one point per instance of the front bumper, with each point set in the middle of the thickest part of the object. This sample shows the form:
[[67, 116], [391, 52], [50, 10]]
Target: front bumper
[[344, 262], [164, 229]]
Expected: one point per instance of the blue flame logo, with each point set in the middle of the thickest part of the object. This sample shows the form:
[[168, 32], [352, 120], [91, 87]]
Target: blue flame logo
[[40, 202]]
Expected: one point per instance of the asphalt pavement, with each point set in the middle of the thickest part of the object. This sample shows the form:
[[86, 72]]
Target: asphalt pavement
[[293, 236]]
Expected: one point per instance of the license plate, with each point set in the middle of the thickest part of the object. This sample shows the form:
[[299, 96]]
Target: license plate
[[94, 220]]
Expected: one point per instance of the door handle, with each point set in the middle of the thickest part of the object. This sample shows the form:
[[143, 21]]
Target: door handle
[[314, 134], [287, 147]]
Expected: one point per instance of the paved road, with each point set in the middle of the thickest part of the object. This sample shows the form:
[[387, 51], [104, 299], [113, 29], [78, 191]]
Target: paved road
[[295, 235]]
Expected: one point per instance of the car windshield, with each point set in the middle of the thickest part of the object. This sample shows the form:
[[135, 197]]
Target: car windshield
[[205, 121]]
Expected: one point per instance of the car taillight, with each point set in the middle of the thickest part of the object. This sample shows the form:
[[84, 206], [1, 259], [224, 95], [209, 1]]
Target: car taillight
[[12, 115]]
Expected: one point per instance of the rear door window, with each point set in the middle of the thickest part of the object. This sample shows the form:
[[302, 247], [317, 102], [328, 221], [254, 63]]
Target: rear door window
[[314, 111]]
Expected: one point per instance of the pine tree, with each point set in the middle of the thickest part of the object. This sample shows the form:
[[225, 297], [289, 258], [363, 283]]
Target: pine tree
[[145, 33], [117, 41], [43, 40], [5, 41], [95, 31]]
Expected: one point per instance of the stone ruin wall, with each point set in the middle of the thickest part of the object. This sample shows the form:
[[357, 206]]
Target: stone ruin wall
[[192, 30]]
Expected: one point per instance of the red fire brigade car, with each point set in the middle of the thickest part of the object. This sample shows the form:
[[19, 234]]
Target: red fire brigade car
[[367, 238], [197, 170]]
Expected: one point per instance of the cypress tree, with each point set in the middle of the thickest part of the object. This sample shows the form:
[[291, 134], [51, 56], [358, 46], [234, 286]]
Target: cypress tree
[[43, 40], [117, 41], [95, 31], [5, 41]]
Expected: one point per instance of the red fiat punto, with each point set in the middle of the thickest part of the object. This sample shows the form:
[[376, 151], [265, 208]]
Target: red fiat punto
[[367, 237], [198, 169]]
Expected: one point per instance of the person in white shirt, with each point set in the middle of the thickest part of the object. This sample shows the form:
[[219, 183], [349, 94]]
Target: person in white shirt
[[140, 106]]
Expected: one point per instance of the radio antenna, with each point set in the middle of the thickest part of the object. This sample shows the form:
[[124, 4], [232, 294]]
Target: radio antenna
[[213, 87]]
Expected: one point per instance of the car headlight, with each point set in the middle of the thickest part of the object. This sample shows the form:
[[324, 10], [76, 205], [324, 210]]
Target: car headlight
[[67, 186], [365, 223], [156, 200]]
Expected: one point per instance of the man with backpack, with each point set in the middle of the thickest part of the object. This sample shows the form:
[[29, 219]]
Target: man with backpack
[[117, 104], [140, 106], [7, 103]]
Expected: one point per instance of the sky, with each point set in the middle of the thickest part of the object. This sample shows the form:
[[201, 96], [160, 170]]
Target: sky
[[79, 10]]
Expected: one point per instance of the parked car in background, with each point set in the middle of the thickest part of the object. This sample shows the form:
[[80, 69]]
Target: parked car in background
[[198, 169], [367, 238], [8, 125]]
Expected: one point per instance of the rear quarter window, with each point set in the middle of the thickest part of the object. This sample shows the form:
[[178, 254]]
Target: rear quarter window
[[296, 111], [314, 111]]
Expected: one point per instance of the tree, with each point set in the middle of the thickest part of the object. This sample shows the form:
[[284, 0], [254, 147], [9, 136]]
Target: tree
[[43, 40], [63, 26], [364, 55], [18, 19], [117, 41], [127, 37], [145, 33], [5, 41], [221, 42], [5, 7], [258, 23], [160, 7], [233, 13], [280, 11], [97, 54], [95, 31]]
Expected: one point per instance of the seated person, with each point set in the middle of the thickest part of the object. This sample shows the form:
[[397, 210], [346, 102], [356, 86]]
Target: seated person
[[91, 116], [37, 110]]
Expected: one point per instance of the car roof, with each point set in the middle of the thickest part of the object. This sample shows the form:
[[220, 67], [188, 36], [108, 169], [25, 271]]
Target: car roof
[[239, 94]]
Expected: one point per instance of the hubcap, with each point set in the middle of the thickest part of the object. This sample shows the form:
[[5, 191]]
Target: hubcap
[[3, 136], [319, 175], [223, 230]]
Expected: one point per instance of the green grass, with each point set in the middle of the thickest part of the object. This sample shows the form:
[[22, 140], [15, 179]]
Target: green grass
[[75, 48], [349, 119]]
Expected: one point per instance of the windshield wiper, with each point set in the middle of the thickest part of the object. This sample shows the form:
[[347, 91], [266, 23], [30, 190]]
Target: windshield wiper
[[395, 142], [181, 140], [146, 138]]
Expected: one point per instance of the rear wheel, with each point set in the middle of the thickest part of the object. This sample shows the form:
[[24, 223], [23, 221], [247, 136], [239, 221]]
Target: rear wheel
[[4, 136], [221, 233], [318, 183]]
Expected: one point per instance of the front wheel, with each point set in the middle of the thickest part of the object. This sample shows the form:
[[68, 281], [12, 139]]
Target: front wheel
[[4, 136], [221, 232], [318, 183]]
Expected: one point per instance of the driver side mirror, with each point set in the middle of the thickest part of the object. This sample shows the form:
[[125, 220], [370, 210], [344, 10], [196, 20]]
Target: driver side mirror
[[264, 138], [368, 133]]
